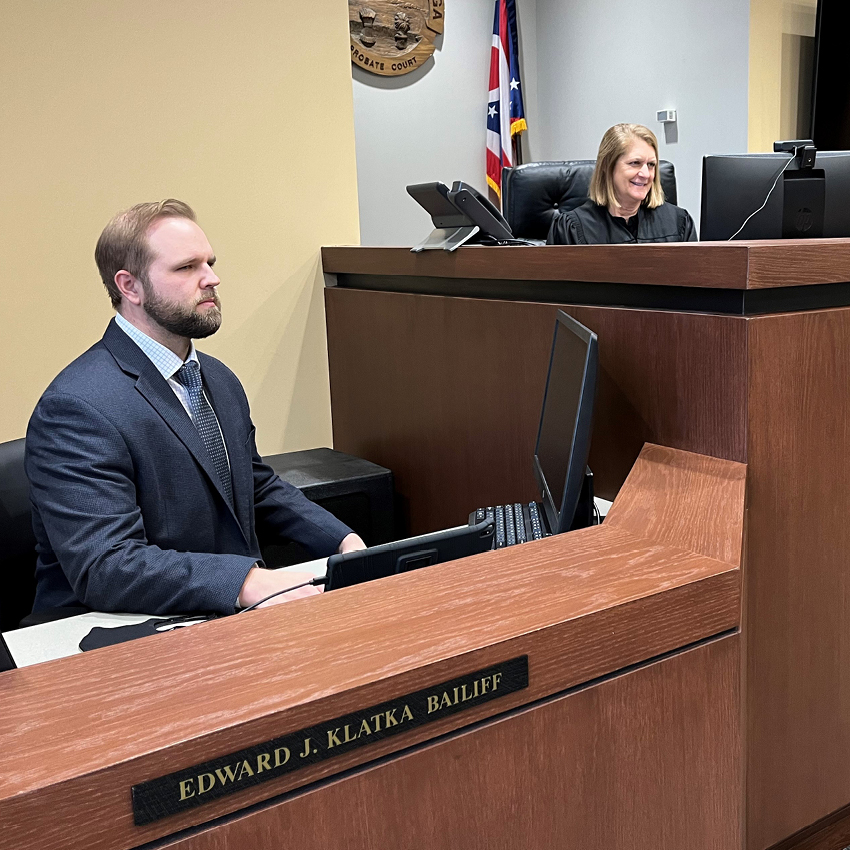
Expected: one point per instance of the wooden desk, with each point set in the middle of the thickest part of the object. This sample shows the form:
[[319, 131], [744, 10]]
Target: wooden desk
[[740, 351], [629, 728]]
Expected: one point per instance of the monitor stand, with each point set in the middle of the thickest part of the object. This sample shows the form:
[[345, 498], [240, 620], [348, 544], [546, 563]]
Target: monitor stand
[[802, 212], [446, 238], [584, 515]]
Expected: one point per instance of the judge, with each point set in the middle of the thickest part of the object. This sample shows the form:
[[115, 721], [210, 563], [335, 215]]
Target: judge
[[626, 202]]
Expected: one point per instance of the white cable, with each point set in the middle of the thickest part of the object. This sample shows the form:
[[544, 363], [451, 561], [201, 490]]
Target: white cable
[[765, 200]]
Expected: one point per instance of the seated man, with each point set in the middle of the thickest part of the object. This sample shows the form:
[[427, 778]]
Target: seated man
[[145, 479]]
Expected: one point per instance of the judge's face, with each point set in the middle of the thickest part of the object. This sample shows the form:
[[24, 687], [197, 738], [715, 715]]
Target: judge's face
[[634, 173], [180, 284]]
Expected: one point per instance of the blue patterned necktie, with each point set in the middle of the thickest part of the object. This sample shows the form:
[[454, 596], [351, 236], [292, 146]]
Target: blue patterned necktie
[[189, 374]]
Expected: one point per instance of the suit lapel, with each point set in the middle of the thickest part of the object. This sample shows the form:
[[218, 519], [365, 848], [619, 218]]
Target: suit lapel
[[155, 389]]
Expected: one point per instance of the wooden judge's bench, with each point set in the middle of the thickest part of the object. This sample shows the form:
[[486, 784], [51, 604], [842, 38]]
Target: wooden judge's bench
[[678, 677]]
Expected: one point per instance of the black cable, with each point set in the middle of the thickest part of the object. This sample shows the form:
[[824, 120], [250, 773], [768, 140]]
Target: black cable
[[765, 200], [314, 582], [493, 241]]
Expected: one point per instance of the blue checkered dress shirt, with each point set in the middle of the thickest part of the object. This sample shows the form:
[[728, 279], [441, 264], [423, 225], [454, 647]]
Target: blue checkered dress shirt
[[167, 363]]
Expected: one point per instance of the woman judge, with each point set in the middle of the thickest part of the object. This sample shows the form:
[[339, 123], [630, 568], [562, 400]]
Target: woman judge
[[626, 201]]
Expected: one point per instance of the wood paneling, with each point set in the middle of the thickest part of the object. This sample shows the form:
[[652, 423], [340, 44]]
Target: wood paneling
[[687, 264], [771, 391], [721, 265], [446, 392], [675, 379], [686, 500], [797, 608], [648, 760], [800, 262], [831, 833], [79, 732]]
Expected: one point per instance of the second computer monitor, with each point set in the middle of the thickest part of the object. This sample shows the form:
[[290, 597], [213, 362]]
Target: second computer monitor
[[805, 202], [563, 438]]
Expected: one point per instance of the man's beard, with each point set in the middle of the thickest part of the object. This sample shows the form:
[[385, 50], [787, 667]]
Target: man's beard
[[187, 322]]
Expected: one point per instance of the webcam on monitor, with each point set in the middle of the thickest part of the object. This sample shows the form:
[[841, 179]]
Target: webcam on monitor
[[803, 149]]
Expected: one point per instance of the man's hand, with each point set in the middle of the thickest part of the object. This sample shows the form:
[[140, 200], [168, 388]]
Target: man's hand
[[260, 583], [350, 543]]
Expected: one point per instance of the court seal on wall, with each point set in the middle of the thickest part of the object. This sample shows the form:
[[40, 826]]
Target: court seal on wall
[[392, 37]]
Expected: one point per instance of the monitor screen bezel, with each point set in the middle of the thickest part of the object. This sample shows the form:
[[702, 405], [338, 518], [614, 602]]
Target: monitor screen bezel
[[560, 517]]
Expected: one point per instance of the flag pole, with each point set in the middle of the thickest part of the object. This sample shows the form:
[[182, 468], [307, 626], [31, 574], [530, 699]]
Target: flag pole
[[505, 112]]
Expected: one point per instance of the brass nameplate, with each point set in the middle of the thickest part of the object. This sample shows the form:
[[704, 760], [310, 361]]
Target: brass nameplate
[[205, 782]]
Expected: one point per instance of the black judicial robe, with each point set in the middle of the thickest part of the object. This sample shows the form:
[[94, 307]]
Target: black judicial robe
[[591, 224]]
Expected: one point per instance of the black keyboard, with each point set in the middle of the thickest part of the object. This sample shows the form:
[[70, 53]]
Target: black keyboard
[[515, 523]]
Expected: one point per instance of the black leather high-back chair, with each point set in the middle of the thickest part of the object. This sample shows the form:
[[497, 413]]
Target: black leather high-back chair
[[17, 541], [534, 193]]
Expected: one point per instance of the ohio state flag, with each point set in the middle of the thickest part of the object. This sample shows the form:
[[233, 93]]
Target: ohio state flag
[[505, 113]]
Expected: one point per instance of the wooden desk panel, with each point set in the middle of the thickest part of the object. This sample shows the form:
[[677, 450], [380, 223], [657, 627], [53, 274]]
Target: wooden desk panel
[[797, 607], [770, 390], [649, 759], [447, 392], [717, 265], [146, 711], [698, 504], [79, 732]]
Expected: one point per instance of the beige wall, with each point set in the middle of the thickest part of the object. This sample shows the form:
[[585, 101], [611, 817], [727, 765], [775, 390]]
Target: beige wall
[[777, 28], [242, 109]]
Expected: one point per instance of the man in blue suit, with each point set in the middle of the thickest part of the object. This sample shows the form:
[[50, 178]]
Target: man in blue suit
[[146, 483]]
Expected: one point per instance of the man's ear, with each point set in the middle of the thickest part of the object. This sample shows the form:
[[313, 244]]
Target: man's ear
[[129, 286]]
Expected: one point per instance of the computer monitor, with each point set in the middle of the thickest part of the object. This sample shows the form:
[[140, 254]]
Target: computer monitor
[[403, 556], [831, 84], [566, 420], [805, 203]]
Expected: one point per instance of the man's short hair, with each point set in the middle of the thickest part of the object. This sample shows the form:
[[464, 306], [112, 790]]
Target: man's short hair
[[124, 243], [615, 143]]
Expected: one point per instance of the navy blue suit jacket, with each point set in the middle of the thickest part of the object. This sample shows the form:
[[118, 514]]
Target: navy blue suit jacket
[[128, 511]]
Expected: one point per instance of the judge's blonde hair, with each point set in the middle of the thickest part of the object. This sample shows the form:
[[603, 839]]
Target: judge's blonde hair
[[616, 143]]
